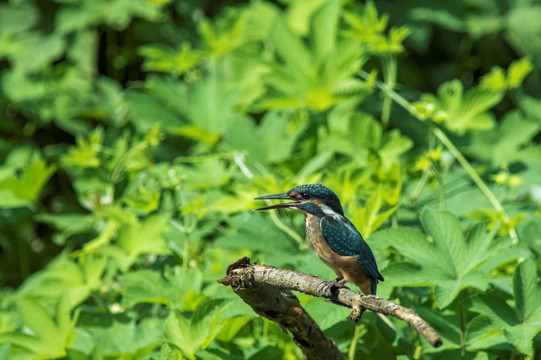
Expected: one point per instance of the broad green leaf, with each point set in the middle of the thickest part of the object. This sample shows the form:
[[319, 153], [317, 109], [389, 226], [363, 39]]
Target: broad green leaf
[[231, 326], [446, 233], [24, 190], [407, 274], [365, 131], [290, 48], [527, 293], [196, 332], [495, 308], [394, 145], [270, 142], [279, 136], [479, 243], [146, 200], [408, 242], [324, 28], [315, 164], [118, 335], [447, 289], [258, 233], [449, 261], [518, 325], [465, 111], [50, 335], [67, 224], [146, 286], [370, 217], [521, 335], [64, 275], [160, 59], [17, 17], [325, 315], [483, 333], [146, 109], [4, 351], [86, 153], [522, 29], [145, 237]]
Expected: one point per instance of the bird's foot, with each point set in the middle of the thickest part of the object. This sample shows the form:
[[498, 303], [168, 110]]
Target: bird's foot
[[325, 287], [356, 314]]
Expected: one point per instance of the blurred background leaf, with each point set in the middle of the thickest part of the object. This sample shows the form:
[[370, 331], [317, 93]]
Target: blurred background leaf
[[135, 134]]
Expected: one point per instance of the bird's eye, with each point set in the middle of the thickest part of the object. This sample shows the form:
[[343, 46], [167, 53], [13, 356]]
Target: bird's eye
[[305, 195]]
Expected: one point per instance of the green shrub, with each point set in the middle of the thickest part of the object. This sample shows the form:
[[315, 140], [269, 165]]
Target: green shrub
[[136, 132]]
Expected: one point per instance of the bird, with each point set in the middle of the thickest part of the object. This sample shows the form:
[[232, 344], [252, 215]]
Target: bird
[[332, 236]]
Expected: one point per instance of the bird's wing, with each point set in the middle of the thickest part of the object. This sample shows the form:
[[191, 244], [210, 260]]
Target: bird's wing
[[343, 238]]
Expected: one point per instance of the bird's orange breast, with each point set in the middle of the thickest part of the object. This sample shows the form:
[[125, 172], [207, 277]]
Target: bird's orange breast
[[346, 267]]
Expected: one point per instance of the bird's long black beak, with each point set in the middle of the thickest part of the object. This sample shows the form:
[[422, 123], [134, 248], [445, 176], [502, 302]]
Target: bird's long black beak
[[278, 197]]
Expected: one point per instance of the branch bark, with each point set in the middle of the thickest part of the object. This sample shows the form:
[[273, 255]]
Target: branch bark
[[268, 291]]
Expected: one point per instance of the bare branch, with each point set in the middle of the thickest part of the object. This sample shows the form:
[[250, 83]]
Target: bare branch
[[268, 291]]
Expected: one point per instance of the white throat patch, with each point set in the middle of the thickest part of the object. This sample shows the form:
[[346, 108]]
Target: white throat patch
[[328, 211]]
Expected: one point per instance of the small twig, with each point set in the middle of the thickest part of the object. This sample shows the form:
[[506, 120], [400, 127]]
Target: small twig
[[268, 291]]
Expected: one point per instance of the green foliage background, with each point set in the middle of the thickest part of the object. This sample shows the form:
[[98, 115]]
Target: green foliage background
[[136, 132]]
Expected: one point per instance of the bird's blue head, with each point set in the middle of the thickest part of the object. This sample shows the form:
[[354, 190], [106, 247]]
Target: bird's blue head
[[312, 198]]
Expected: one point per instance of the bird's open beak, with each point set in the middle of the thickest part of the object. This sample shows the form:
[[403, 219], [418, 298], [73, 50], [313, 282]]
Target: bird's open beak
[[278, 197]]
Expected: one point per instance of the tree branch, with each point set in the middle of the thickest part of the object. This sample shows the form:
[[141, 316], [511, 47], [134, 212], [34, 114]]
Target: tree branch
[[268, 291]]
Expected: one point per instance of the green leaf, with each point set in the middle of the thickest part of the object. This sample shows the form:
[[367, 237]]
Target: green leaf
[[527, 293], [146, 109], [50, 335], [466, 111], [256, 232], [116, 335], [521, 336], [24, 190], [158, 58], [145, 200], [86, 153], [146, 286], [315, 164], [394, 145], [370, 217], [17, 17], [325, 314], [324, 28], [448, 261], [232, 326], [483, 333], [64, 275], [196, 332], [445, 230], [520, 324], [145, 237], [495, 308], [290, 48]]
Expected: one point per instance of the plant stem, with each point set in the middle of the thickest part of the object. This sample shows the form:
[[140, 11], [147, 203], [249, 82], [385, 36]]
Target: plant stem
[[354, 341], [389, 72], [469, 169], [496, 204], [456, 153], [390, 92], [420, 185], [462, 326], [280, 225]]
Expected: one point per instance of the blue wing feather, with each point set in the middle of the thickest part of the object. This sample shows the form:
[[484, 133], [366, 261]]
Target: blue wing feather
[[343, 238]]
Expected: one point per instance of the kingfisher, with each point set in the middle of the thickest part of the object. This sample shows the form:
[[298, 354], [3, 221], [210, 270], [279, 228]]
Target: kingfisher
[[332, 236]]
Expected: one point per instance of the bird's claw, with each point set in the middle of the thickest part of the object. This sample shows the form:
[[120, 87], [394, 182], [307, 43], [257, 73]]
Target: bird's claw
[[356, 314], [325, 287]]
